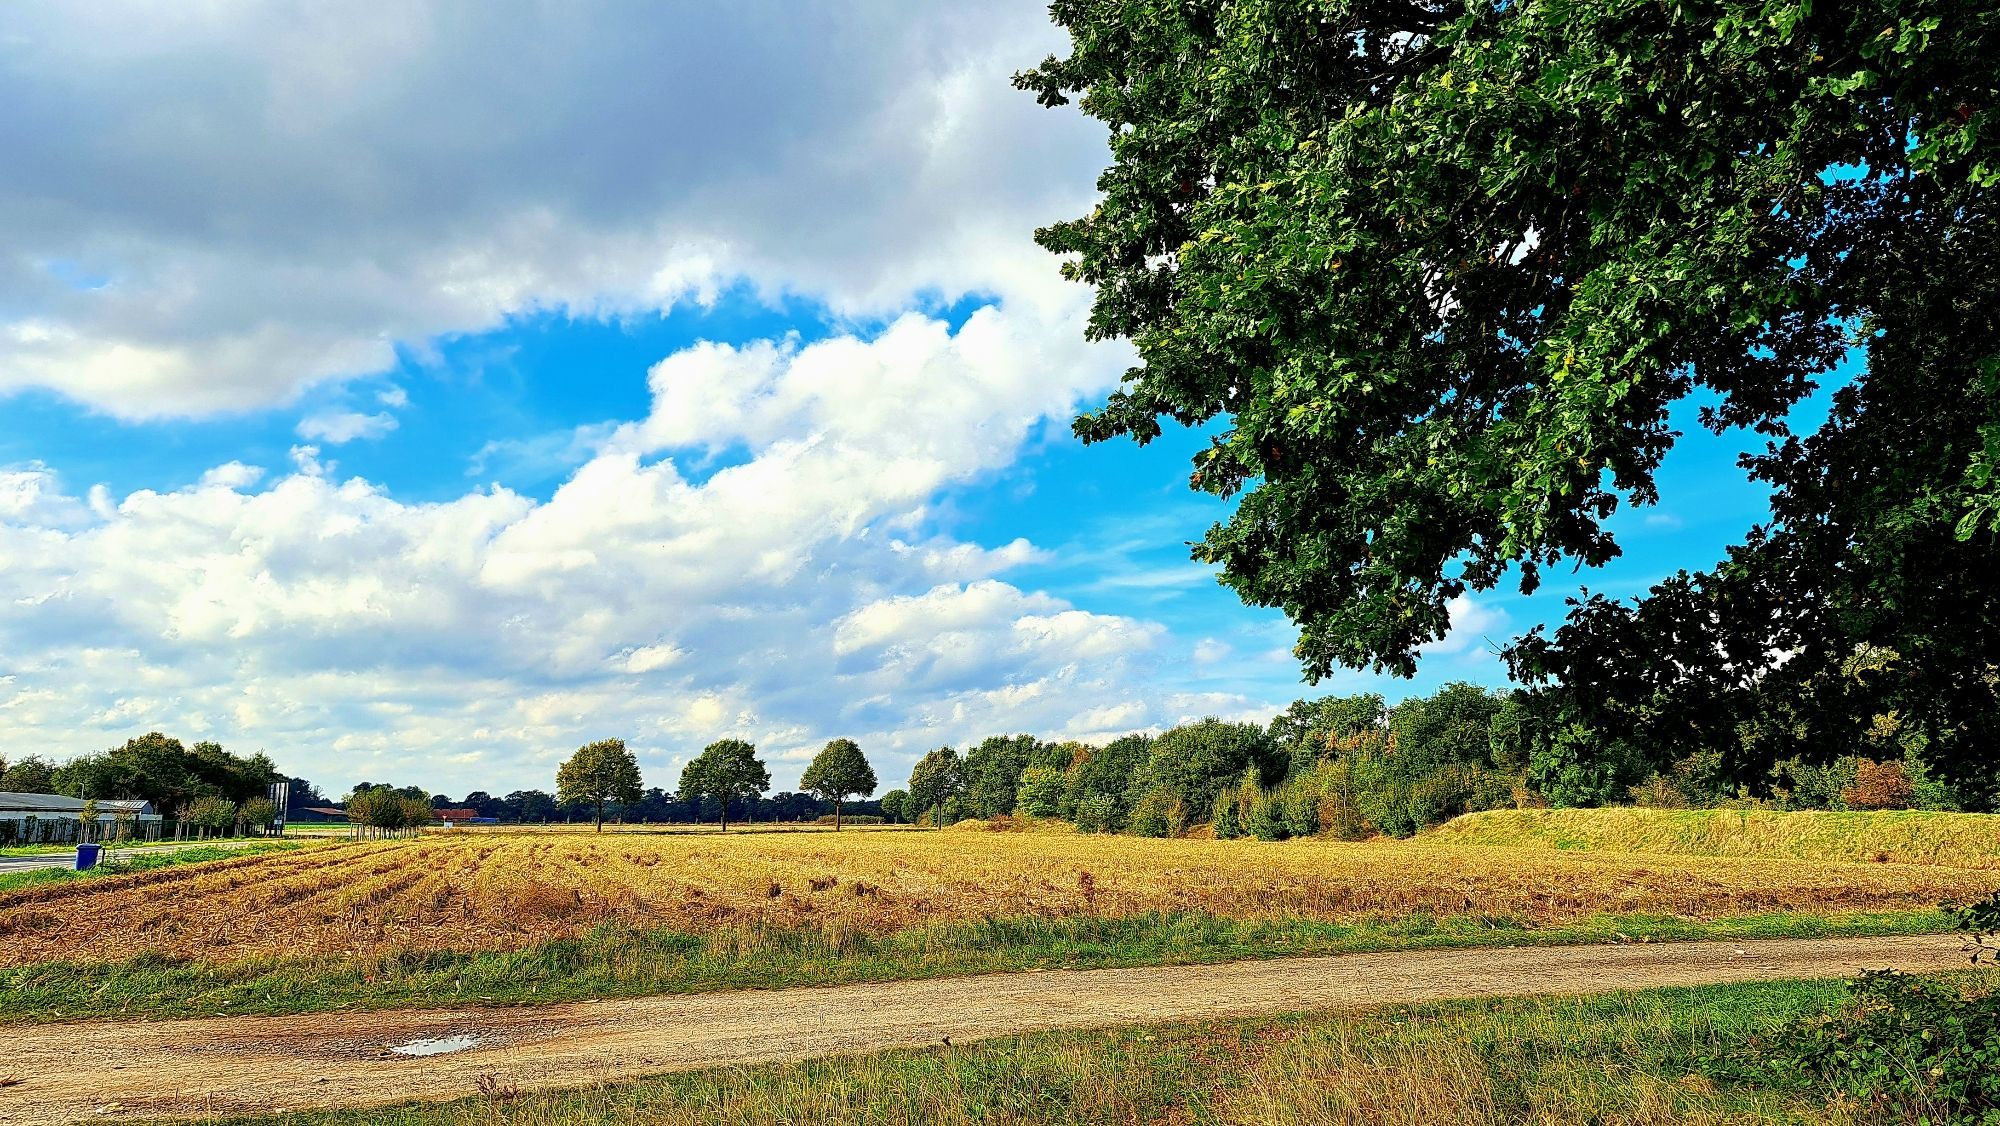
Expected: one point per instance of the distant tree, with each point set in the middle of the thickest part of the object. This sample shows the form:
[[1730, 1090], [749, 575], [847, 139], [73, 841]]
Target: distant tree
[[600, 772], [937, 778], [1454, 724], [302, 794], [1042, 793], [214, 813], [1192, 763], [993, 772], [258, 814], [31, 775], [726, 770], [525, 806], [839, 772], [1104, 785], [896, 806], [1309, 730]]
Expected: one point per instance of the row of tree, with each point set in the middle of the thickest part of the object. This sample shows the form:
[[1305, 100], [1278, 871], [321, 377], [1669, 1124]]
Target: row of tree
[[725, 776]]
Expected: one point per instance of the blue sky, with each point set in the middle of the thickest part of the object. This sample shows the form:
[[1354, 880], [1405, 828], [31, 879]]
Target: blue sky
[[418, 401]]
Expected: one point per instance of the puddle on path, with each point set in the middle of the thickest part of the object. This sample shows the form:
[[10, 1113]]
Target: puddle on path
[[435, 1047]]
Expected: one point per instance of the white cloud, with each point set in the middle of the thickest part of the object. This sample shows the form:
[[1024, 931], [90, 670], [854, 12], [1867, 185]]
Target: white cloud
[[340, 427], [212, 209], [1473, 625], [269, 198], [793, 594]]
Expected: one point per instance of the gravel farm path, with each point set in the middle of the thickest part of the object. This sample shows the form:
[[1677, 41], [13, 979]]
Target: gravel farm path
[[70, 1072]]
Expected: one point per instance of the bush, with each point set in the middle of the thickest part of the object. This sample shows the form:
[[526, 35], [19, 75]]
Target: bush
[[1158, 814], [1300, 811], [1267, 822], [850, 819], [1878, 785], [1224, 818], [1804, 785], [1098, 813], [1908, 1048]]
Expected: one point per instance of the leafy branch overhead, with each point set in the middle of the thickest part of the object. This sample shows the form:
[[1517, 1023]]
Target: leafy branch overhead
[[1436, 273]]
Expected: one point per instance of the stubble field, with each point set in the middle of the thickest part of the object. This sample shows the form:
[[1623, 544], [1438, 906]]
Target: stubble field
[[513, 891]]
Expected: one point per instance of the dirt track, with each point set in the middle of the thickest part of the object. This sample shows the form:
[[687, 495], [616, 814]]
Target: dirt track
[[244, 1064]]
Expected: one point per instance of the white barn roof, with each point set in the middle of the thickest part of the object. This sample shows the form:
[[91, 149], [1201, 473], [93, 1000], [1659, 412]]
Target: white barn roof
[[60, 805]]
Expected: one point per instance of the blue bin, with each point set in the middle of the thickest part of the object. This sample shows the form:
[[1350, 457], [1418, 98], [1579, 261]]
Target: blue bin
[[86, 857]]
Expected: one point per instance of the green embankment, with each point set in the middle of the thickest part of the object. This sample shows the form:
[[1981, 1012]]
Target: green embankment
[[1954, 840], [1638, 1059]]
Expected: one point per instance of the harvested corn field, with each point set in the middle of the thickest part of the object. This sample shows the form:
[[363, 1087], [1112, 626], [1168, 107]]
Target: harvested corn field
[[509, 891]]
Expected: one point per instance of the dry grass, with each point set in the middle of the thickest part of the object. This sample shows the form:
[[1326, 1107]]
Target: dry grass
[[509, 891], [1953, 840]]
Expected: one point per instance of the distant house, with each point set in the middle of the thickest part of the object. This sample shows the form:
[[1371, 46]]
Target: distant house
[[317, 815], [452, 817]]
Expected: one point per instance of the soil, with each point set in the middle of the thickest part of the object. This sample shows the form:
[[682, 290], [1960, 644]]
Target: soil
[[232, 1065]]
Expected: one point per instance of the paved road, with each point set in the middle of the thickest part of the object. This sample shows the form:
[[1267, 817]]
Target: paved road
[[68, 859], [231, 1065]]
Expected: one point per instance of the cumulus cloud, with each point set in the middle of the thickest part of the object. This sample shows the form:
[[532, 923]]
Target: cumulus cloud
[[797, 592], [212, 208]]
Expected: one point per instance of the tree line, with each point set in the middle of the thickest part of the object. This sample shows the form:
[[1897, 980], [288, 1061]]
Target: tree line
[[202, 784], [1354, 766]]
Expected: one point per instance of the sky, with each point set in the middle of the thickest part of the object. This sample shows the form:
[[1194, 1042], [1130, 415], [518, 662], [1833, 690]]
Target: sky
[[417, 398]]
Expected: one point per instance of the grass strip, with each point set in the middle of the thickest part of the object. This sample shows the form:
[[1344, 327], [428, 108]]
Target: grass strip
[[139, 861], [614, 962], [1636, 1059]]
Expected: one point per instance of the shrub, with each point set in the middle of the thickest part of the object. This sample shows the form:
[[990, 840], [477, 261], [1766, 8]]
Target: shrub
[[1301, 811], [1804, 785], [1224, 818], [1158, 814], [1878, 785], [1908, 1048], [1098, 813], [1267, 822]]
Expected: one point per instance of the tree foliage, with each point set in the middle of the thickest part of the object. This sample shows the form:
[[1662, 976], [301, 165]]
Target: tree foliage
[[1434, 275], [937, 778], [162, 770], [1192, 763], [726, 770], [600, 772], [993, 772], [838, 772], [30, 775]]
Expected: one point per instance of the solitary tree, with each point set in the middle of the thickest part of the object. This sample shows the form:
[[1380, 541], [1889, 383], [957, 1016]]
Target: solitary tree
[[1444, 281], [600, 772], [726, 770], [838, 773]]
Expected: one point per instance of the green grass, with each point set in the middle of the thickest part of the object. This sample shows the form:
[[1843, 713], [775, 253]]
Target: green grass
[[621, 963], [136, 861], [1636, 1059], [1962, 840]]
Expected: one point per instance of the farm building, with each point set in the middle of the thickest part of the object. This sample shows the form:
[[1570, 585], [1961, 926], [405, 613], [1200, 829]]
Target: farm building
[[35, 818], [317, 815]]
